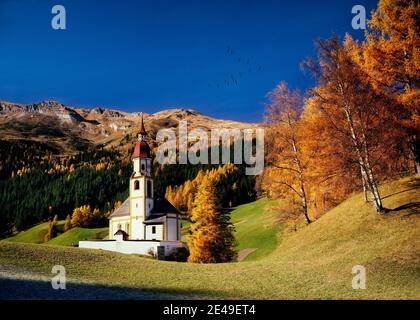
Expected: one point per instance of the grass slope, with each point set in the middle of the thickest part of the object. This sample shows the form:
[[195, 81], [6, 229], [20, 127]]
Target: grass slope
[[35, 234], [313, 263], [74, 235], [255, 228], [70, 238]]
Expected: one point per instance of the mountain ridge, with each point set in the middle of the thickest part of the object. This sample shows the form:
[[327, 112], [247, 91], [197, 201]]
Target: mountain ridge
[[72, 128]]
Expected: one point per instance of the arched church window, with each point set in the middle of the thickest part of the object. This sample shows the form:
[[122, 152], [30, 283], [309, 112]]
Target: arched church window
[[143, 167], [136, 185], [149, 188]]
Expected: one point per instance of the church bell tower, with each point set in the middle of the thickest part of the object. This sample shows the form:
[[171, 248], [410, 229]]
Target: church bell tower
[[141, 186]]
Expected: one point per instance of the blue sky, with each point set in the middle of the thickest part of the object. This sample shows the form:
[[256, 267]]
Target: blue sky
[[152, 55]]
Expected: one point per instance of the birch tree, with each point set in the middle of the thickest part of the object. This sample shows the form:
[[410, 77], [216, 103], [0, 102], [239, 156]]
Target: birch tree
[[283, 151], [345, 96]]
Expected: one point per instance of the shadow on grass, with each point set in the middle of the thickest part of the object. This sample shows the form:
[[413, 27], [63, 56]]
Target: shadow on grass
[[413, 184], [25, 289], [412, 207]]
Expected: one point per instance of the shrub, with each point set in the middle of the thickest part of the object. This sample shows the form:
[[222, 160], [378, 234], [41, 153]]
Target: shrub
[[179, 255]]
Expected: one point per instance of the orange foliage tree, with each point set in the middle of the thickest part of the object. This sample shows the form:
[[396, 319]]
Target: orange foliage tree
[[85, 217], [359, 114], [211, 239], [391, 58], [284, 154]]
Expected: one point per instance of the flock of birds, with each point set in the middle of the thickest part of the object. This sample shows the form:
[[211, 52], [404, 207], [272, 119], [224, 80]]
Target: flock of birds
[[233, 78]]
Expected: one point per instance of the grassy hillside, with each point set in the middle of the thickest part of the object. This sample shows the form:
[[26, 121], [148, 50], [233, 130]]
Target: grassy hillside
[[74, 235], [35, 234], [70, 238], [256, 228], [314, 262]]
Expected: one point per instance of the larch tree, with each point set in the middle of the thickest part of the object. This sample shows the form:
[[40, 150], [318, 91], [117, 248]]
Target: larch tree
[[356, 111], [51, 232], [332, 172], [284, 154], [391, 57], [211, 239], [67, 224]]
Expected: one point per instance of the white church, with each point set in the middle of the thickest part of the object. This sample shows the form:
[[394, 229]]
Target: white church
[[142, 224]]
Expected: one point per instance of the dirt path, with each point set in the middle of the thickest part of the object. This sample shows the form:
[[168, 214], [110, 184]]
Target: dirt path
[[245, 253]]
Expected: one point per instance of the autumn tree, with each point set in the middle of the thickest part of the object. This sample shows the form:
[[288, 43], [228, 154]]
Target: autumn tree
[[211, 239], [76, 218], [284, 153], [391, 58], [85, 217], [67, 223], [51, 231], [355, 110], [331, 172]]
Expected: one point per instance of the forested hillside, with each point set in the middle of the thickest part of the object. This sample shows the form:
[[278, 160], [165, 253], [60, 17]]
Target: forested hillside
[[37, 184]]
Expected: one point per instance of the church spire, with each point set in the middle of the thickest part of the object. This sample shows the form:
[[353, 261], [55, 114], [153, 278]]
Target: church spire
[[141, 148], [142, 133]]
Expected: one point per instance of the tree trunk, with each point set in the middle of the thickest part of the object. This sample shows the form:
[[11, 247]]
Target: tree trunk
[[296, 160], [364, 162], [371, 178], [365, 190], [364, 165], [415, 150], [304, 202]]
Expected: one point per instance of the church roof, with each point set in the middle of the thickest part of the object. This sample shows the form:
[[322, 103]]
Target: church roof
[[123, 210], [153, 219], [142, 150], [125, 234], [161, 207]]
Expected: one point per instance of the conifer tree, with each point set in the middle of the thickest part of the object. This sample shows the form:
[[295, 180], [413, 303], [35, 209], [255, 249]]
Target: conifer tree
[[51, 232], [391, 57], [67, 224], [76, 218], [212, 239]]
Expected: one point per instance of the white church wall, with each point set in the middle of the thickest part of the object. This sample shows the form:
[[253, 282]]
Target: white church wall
[[136, 192], [114, 224], [131, 247], [136, 166], [137, 206], [137, 229], [158, 235]]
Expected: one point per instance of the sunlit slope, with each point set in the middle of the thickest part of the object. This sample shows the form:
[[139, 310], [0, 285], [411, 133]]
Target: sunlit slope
[[313, 263], [35, 234], [74, 235], [70, 238], [256, 228]]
